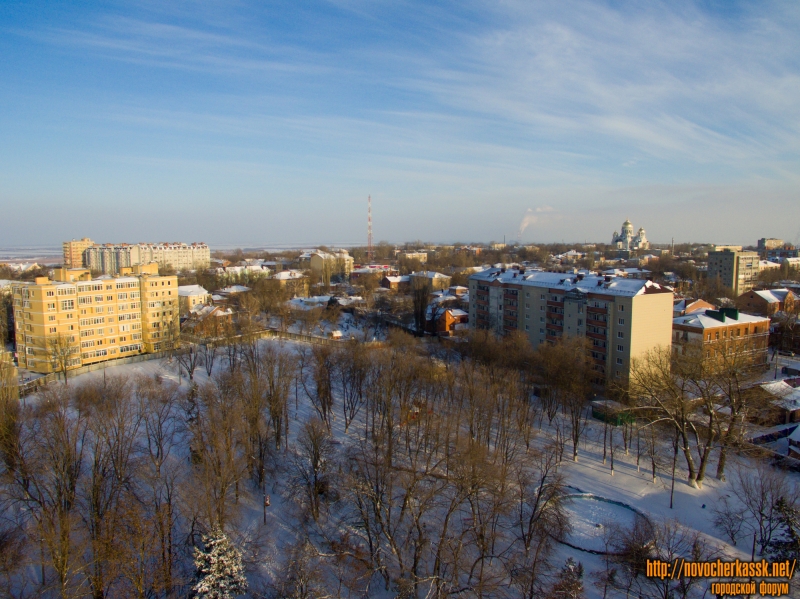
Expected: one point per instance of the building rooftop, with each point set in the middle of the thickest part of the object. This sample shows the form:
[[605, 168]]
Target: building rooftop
[[773, 296], [710, 319], [189, 290], [606, 285]]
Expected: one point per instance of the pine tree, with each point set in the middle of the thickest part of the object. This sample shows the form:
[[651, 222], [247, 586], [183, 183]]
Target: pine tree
[[569, 584], [219, 569], [785, 543]]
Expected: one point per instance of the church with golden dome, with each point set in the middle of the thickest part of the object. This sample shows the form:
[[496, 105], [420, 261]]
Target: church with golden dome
[[626, 240]]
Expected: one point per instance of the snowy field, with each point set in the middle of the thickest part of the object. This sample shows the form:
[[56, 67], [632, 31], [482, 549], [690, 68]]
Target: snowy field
[[628, 484]]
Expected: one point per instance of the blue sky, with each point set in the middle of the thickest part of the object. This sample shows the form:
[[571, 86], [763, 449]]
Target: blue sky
[[270, 122]]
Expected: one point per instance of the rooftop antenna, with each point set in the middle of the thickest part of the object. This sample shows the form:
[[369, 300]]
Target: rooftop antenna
[[369, 229]]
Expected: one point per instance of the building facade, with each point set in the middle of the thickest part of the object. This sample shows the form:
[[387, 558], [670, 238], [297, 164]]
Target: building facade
[[767, 302], [73, 252], [621, 318], [93, 320], [715, 332], [421, 256], [733, 268], [190, 296], [110, 258]]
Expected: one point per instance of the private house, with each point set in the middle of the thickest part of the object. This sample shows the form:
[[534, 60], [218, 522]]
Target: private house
[[767, 302]]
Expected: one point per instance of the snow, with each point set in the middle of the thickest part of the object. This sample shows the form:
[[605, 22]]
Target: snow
[[626, 483]]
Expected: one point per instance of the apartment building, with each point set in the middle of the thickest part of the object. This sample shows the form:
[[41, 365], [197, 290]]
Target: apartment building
[[109, 258], [421, 256], [622, 318], [73, 251], [727, 329], [328, 264], [734, 268], [93, 320]]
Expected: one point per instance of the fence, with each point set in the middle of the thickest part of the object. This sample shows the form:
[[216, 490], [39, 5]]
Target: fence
[[269, 334], [31, 386]]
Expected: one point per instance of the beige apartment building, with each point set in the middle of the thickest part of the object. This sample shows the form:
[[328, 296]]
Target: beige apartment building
[[735, 269], [73, 251], [621, 318], [421, 256], [328, 264], [109, 258], [93, 320]]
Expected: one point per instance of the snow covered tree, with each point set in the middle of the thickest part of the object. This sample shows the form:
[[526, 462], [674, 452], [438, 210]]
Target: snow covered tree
[[785, 543], [219, 570], [569, 584]]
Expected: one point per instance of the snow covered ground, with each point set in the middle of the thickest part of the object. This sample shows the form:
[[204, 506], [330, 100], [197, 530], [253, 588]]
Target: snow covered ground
[[628, 484]]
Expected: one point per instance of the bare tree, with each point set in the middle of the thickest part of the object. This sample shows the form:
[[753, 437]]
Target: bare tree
[[757, 490], [63, 354], [312, 463]]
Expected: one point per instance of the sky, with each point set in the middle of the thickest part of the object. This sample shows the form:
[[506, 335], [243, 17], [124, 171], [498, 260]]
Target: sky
[[255, 123]]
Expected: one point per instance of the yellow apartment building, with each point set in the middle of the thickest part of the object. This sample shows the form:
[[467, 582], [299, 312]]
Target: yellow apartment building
[[73, 251], [80, 321]]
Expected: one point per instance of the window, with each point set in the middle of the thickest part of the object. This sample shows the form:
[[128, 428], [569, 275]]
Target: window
[[51, 318], [541, 319], [51, 307], [580, 322], [541, 297], [50, 293], [52, 329], [67, 304], [98, 299], [527, 294], [621, 308], [620, 335], [541, 331], [527, 317], [527, 327], [619, 361], [527, 305], [85, 300], [541, 308], [621, 321], [620, 348]]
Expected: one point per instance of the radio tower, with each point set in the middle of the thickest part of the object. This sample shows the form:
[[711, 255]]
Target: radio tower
[[369, 229]]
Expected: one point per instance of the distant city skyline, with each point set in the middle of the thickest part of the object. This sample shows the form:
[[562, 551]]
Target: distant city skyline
[[245, 124]]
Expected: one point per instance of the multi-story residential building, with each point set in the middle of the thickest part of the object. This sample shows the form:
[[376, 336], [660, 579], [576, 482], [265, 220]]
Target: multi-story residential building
[[621, 318], [733, 268], [73, 252], [767, 302], [778, 254], [421, 256], [93, 320], [110, 258], [329, 264], [724, 331], [768, 243]]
